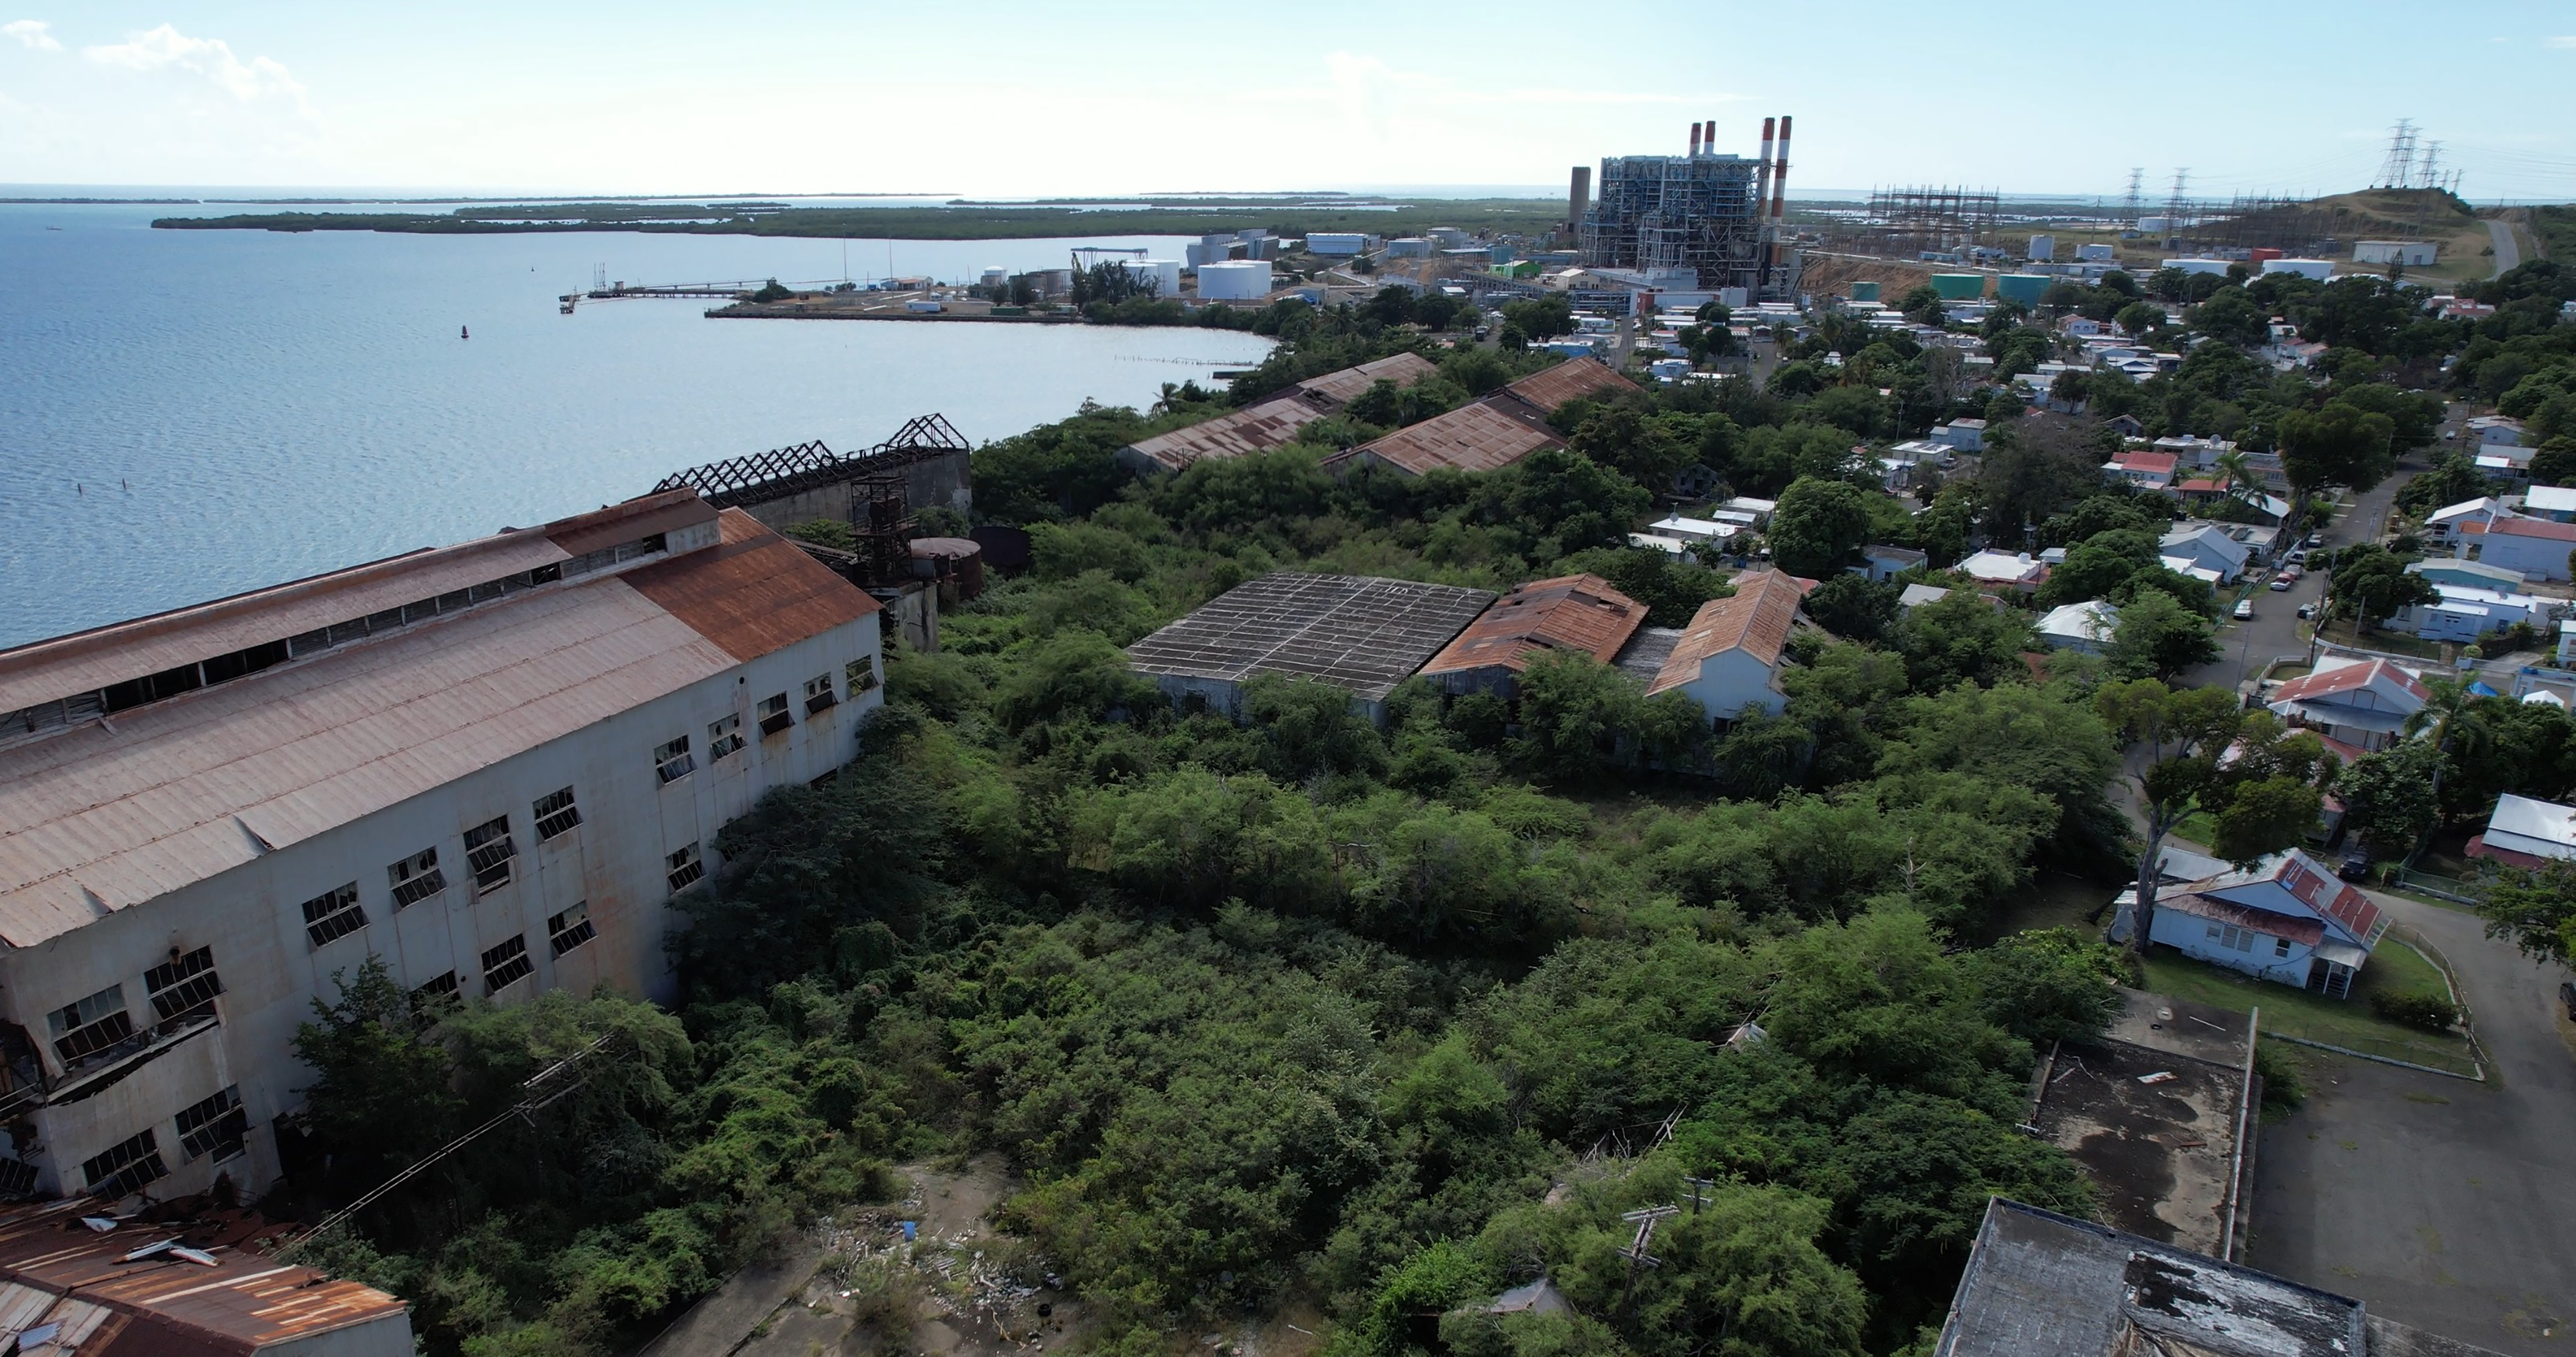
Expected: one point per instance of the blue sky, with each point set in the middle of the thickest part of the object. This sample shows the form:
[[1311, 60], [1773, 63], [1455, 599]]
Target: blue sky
[[989, 97]]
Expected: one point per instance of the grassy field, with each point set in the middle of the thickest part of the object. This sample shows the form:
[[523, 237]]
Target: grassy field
[[2349, 1023], [2345, 632]]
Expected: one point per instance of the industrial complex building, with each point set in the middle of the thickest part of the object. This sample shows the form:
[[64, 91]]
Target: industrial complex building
[[491, 765], [1696, 221]]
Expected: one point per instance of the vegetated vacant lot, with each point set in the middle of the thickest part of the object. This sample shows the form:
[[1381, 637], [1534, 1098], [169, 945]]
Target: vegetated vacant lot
[[2395, 968]]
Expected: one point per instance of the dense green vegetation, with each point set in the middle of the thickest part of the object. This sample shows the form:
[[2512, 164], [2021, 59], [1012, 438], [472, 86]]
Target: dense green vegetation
[[1302, 1007]]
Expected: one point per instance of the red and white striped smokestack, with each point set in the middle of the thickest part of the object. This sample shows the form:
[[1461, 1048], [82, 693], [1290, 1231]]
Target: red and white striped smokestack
[[1694, 142], [1762, 174], [1779, 194]]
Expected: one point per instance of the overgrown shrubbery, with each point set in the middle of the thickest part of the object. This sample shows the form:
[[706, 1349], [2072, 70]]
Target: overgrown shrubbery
[[2424, 1009]]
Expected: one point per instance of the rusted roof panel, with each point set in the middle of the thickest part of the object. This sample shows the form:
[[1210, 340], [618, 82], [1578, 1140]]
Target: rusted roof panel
[[1550, 388], [754, 593], [1486, 435], [1339, 388], [1756, 620], [1273, 423], [165, 1305], [617, 524], [1572, 612]]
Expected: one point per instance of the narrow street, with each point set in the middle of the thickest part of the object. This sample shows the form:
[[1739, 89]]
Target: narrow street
[[2246, 647]]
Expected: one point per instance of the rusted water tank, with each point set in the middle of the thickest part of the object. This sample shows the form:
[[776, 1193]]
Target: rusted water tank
[[956, 562]]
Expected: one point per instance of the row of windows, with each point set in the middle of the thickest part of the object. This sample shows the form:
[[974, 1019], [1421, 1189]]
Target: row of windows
[[216, 1126], [100, 1027], [490, 855], [47, 716], [672, 759], [2237, 939]]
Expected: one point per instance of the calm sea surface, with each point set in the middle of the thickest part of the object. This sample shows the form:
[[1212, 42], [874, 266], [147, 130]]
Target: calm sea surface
[[187, 414]]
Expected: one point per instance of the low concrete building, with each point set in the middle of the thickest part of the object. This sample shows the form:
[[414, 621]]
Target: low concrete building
[[1356, 632], [2523, 831], [1580, 613], [490, 765], [2087, 627], [1729, 658], [2004, 570], [1966, 435], [2465, 614], [2536, 548], [1882, 563]]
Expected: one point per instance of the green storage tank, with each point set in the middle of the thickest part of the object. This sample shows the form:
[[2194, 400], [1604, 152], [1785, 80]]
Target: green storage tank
[[2022, 287], [1864, 292], [1959, 287]]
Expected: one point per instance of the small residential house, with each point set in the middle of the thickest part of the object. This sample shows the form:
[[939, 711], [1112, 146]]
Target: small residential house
[[2287, 919], [2465, 614], [2364, 703], [2557, 503], [2467, 574], [1882, 563], [2535, 547], [2088, 627], [2567, 643], [2126, 426], [1760, 509], [2004, 570], [2209, 547], [1966, 435], [2081, 327], [1729, 658], [2522, 832], [2194, 450], [2497, 431], [2145, 470], [2443, 524], [1916, 595]]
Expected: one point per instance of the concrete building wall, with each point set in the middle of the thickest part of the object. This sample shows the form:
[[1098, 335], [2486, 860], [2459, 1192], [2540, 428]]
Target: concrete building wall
[[942, 481], [613, 863], [2191, 935], [1731, 685], [2538, 558]]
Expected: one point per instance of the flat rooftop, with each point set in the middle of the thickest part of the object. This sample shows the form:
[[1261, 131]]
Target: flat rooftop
[[2162, 1154], [1353, 631]]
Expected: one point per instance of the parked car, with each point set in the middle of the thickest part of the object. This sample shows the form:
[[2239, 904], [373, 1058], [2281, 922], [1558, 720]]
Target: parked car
[[2244, 610], [2306, 611], [2280, 584], [2567, 996], [2295, 558], [2356, 862]]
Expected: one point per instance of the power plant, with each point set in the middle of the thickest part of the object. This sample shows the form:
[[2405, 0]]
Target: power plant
[[1715, 218]]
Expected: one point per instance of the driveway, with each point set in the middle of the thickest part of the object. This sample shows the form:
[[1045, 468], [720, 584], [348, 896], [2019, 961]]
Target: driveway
[[2441, 1203], [2245, 647], [2507, 252]]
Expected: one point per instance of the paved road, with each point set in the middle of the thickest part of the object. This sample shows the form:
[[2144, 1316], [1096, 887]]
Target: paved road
[[2245, 647], [2441, 1203], [2508, 253]]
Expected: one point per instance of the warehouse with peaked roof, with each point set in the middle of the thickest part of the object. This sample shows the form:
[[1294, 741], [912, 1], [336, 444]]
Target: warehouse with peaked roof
[[1578, 613], [1272, 423], [1729, 658], [1356, 632], [491, 765], [1490, 433]]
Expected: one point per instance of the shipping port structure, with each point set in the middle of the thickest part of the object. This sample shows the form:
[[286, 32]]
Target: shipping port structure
[[1713, 217]]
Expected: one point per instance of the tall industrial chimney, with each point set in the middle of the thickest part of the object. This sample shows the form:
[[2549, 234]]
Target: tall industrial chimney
[[1762, 180], [1694, 142], [1578, 195], [1779, 194]]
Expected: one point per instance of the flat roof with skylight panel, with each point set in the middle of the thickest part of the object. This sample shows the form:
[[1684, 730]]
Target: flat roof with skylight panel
[[1353, 631]]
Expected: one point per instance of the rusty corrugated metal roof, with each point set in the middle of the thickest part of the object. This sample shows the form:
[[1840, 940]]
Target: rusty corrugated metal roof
[[754, 593], [1572, 612], [1755, 620], [166, 1306], [1271, 424], [1403, 369], [1486, 435], [114, 813], [617, 524], [1550, 388]]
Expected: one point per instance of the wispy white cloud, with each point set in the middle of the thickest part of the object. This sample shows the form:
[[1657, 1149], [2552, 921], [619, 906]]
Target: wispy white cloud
[[2568, 40], [167, 48], [32, 34]]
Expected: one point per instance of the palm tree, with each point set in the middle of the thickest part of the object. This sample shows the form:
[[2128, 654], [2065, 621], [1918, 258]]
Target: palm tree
[[2244, 483], [2450, 711]]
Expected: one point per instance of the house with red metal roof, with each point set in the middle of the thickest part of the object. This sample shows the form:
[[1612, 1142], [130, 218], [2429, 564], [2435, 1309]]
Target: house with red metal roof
[[2146, 470], [2364, 703], [1579, 613], [2287, 919], [2536, 547]]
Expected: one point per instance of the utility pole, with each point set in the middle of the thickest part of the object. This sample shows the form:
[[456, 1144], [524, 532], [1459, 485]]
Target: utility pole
[[2137, 177], [2173, 209], [1636, 1253], [1699, 1190], [2401, 156]]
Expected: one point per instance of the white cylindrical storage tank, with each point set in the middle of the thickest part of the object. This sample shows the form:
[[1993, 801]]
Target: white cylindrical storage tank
[[1165, 274], [1235, 280], [2319, 269], [996, 274], [2043, 248], [1336, 242]]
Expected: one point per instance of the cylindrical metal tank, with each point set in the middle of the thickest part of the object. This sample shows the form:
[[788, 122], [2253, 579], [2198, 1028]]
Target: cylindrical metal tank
[[1959, 287], [1864, 292], [2024, 288], [1235, 280], [956, 562]]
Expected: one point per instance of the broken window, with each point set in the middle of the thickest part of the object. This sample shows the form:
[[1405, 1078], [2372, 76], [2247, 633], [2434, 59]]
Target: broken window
[[773, 714], [556, 814], [488, 850], [861, 674], [571, 928], [819, 694], [672, 760], [333, 915], [724, 737], [416, 878], [123, 1168], [215, 1126], [432, 1001], [95, 1024], [683, 868], [185, 988], [506, 965]]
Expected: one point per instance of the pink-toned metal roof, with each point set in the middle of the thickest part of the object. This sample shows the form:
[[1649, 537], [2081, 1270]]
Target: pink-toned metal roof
[[1551, 388], [113, 813], [2548, 529], [2348, 678], [1487, 435], [58, 1270]]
